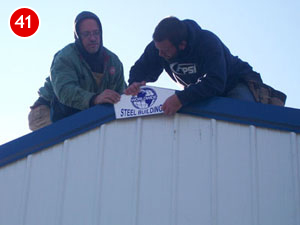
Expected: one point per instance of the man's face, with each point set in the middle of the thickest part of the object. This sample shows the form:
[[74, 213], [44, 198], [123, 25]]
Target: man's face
[[90, 35], [166, 49]]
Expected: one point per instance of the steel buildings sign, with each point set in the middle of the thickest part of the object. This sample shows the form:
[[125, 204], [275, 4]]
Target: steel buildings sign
[[148, 102]]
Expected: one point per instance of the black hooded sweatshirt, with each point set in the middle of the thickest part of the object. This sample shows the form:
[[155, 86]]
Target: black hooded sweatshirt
[[205, 68]]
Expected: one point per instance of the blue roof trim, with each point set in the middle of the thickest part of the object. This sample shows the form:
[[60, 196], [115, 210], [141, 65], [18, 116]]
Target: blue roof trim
[[56, 133], [250, 113], [269, 116]]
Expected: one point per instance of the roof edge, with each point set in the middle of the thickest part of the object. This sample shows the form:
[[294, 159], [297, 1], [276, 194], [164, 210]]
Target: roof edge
[[227, 109], [55, 133], [249, 113]]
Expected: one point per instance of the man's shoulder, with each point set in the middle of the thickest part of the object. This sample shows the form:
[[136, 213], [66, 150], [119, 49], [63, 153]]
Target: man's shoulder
[[196, 31], [192, 23], [205, 39], [69, 53], [67, 50]]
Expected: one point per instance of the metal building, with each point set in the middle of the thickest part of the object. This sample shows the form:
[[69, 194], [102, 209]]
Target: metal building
[[219, 162]]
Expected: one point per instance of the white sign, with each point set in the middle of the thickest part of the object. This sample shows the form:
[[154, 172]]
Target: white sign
[[148, 102]]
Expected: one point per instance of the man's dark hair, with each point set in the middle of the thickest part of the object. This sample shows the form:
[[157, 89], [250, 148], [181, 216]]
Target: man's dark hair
[[172, 29]]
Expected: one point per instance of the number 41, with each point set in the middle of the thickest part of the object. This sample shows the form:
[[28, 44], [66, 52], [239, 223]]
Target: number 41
[[21, 23]]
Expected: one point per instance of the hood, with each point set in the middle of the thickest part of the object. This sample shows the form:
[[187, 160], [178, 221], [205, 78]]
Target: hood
[[193, 29], [95, 60], [86, 15]]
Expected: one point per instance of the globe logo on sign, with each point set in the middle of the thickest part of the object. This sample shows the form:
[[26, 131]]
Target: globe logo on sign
[[145, 98]]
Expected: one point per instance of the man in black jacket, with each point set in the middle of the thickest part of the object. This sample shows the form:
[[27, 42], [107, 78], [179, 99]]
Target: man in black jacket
[[195, 58]]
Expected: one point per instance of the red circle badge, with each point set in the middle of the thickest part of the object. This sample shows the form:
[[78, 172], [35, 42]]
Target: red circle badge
[[24, 22], [112, 70]]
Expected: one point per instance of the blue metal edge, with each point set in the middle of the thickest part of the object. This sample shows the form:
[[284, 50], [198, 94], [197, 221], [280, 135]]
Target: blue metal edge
[[56, 133], [249, 113], [268, 116]]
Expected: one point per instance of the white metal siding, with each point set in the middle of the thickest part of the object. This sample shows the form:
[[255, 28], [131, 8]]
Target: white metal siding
[[180, 170]]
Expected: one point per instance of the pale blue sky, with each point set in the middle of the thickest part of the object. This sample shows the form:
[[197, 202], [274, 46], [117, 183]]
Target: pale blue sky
[[264, 33]]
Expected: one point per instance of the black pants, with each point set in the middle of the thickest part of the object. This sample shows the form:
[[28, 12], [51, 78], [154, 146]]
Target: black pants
[[59, 111]]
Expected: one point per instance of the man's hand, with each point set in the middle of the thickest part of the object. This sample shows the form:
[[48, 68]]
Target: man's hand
[[134, 88], [171, 105], [107, 96]]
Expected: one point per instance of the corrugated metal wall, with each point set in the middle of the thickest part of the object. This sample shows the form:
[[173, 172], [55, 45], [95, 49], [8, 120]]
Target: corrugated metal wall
[[180, 170]]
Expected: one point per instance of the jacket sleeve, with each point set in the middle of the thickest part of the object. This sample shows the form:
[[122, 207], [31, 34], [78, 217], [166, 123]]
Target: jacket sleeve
[[148, 67], [46, 91], [213, 80], [65, 82]]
